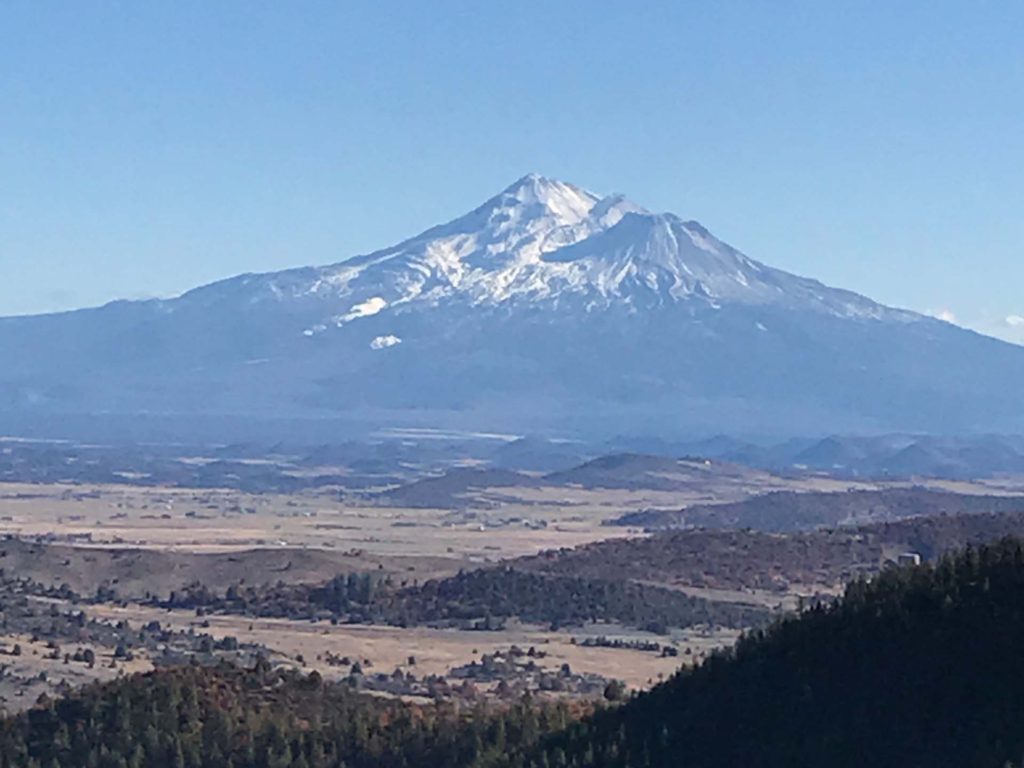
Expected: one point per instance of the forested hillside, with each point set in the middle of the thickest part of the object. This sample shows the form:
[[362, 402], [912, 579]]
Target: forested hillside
[[478, 598], [920, 667], [195, 717]]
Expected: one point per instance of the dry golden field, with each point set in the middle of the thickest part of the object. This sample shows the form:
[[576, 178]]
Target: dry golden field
[[152, 540]]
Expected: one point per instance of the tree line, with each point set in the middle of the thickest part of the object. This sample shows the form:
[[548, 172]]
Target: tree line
[[482, 598]]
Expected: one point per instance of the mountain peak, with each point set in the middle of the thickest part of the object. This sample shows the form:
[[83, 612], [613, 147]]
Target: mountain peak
[[528, 180], [566, 202], [534, 183], [547, 243]]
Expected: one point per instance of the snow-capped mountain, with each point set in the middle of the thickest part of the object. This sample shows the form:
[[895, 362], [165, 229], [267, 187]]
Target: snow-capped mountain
[[546, 308], [547, 243]]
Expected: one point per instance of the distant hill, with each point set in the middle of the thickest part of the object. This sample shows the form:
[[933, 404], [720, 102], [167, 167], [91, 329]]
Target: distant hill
[[482, 486], [747, 559], [632, 471], [456, 488], [782, 511], [878, 456], [538, 454], [135, 573]]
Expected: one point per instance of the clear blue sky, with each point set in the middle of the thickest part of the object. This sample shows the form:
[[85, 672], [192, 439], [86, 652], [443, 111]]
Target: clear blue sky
[[147, 147]]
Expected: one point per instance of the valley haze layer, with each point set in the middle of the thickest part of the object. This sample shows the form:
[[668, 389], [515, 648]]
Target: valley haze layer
[[548, 310]]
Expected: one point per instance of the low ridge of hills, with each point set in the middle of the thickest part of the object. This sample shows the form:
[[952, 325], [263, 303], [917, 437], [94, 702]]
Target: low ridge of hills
[[403, 457], [785, 511], [631, 471], [135, 573], [876, 456], [804, 561], [481, 486]]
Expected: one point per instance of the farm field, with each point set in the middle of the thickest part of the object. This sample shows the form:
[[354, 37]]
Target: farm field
[[436, 651]]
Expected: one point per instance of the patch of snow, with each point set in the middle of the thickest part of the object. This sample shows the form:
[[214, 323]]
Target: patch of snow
[[428, 433], [383, 342], [945, 315], [369, 307]]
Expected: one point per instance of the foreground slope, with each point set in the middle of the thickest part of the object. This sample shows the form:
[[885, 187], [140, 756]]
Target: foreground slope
[[546, 308], [191, 717], [919, 667]]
